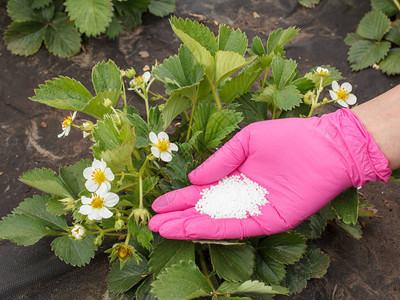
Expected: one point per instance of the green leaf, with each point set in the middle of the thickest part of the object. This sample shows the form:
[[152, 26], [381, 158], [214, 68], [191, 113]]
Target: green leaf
[[196, 31], [257, 47], [287, 98], [353, 229], [313, 227], [35, 208], [313, 265], [106, 134], [366, 209], [144, 290], [156, 123], [115, 28], [122, 280], [252, 111], [45, 180], [161, 8], [61, 37], [96, 106], [386, 6], [284, 71], [106, 76], [230, 39], [142, 131], [304, 85], [72, 251], [180, 73], [233, 263], [334, 74], [232, 88], [120, 158], [23, 230], [39, 3], [227, 63], [346, 206], [169, 252], [140, 232], [55, 207], [351, 38], [215, 125], [91, 17], [269, 270], [181, 281], [132, 20], [300, 111], [21, 11], [177, 170], [394, 34], [200, 41], [374, 25], [309, 3], [278, 38], [364, 54], [174, 106], [391, 64], [24, 38], [64, 93], [285, 247], [251, 288]]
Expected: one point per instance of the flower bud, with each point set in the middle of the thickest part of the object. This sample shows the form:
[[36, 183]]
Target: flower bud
[[78, 232], [98, 240], [107, 102], [130, 73], [124, 251], [87, 128], [309, 98], [141, 215], [68, 202], [119, 224]]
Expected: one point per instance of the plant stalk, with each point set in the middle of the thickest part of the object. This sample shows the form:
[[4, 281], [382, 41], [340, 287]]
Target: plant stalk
[[205, 271]]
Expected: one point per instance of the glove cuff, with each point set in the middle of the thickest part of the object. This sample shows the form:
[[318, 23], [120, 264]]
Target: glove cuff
[[369, 162]]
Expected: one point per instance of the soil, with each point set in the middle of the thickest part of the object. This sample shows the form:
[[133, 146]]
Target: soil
[[360, 269]]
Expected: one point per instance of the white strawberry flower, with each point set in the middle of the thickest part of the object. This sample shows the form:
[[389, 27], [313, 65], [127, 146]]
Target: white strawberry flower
[[341, 94], [77, 232], [161, 146], [139, 81], [322, 72], [98, 175], [66, 125], [96, 207]]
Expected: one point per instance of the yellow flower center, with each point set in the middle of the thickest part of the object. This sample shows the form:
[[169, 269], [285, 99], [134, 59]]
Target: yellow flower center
[[124, 251], [342, 94], [163, 145], [98, 176], [97, 202], [67, 122], [139, 80]]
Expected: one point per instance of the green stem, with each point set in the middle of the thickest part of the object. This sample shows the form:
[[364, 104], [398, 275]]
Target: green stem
[[127, 238], [274, 113], [186, 115], [141, 171], [205, 271], [158, 96], [264, 79], [114, 234], [215, 94], [124, 96], [397, 3], [192, 113]]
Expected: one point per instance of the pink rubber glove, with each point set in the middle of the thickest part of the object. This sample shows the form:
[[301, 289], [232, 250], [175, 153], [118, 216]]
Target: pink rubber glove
[[302, 163]]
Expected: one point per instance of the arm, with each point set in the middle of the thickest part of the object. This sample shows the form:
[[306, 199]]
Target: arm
[[381, 117]]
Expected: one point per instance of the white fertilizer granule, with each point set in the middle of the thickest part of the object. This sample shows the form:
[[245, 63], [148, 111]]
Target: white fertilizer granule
[[233, 197]]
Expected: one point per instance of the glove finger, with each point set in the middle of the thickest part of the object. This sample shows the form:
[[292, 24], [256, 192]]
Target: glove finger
[[223, 162], [158, 220], [179, 199]]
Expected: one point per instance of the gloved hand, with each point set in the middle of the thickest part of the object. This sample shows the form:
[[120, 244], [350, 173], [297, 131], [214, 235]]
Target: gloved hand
[[302, 163]]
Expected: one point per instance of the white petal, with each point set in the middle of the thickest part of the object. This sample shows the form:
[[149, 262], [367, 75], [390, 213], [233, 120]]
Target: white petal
[[163, 135], [347, 87], [61, 134], [86, 200], [103, 189], [94, 215], [105, 213], [342, 103], [173, 147], [153, 138], [85, 209], [351, 100], [96, 164], [335, 86], [333, 95], [103, 165], [109, 174], [132, 83], [165, 156], [146, 76], [155, 151], [319, 69], [67, 131], [91, 185], [73, 116], [87, 173], [111, 199]]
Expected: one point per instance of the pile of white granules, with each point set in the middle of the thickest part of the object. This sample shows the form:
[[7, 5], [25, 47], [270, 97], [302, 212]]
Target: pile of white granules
[[233, 197]]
